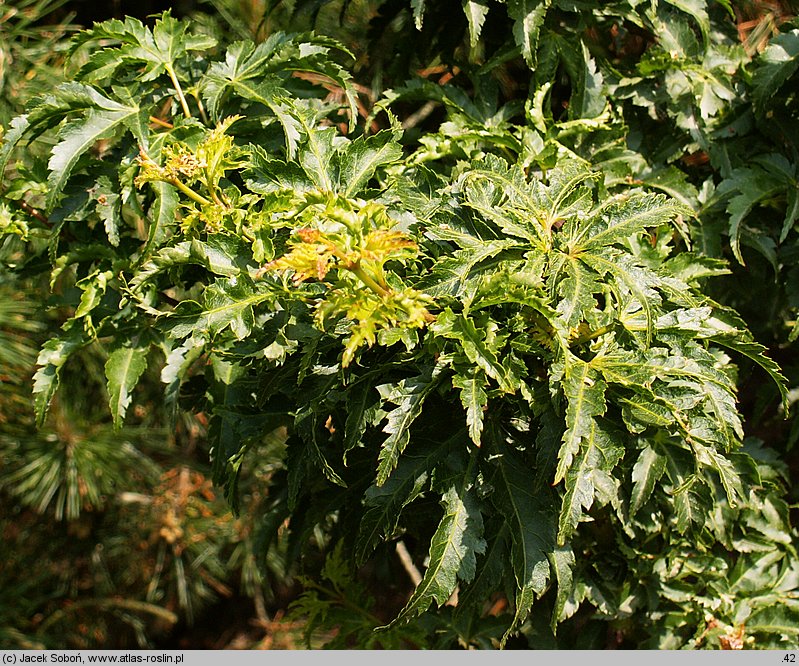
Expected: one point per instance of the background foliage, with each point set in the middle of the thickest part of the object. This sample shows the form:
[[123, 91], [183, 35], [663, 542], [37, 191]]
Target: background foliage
[[512, 305]]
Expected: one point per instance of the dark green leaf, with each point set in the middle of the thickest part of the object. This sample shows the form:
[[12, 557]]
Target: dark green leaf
[[362, 403], [562, 563], [478, 348], [108, 208], [528, 17], [361, 158], [226, 303], [625, 216], [589, 476], [647, 471], [782, 619], [757, 353], [158, 49], [777, 64], [454, 275], [163, 218], [476, 11], [576, 290], [453, 553], [123, 369], [55, 352], [383, 504], [585, 392], [80, 135], [409, 396], [474, 400], [532, 520], [16, 130]]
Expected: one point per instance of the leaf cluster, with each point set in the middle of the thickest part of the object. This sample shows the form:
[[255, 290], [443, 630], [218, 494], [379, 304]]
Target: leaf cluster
[[495, 346]]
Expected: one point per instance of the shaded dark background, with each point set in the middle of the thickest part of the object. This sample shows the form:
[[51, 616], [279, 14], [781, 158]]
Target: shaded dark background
[[87, 11]]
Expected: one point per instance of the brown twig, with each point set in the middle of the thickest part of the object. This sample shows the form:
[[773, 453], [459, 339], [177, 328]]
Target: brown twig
[[418, 116], [30, 210], [161, 123], [407, 564]]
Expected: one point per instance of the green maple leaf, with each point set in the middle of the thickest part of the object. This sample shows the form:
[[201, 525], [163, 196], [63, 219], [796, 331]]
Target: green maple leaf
[[778, 63], [55, 352], [453, 553], [409, 395], [528, 17], [532, 522], [159, 49], [123, 369]]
